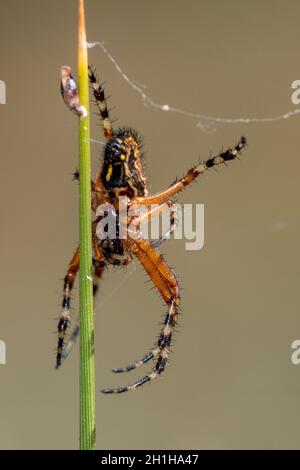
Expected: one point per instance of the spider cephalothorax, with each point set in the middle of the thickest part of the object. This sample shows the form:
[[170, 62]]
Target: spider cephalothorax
[[122, 174]]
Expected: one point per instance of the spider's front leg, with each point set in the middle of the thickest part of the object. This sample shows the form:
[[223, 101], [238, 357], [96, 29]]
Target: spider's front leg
[[165, 281], [191, 175]]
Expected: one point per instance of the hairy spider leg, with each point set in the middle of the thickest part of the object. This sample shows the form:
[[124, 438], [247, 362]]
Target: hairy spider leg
[[98, 268], [65, 313], [99, 95], [192, 174], [166, 282]]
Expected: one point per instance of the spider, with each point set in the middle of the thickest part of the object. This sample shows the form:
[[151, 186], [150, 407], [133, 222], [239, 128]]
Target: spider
[[122, 174]]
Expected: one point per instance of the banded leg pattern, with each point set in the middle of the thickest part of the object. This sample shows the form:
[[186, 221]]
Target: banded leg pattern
[[192, 174], [160, 353], [65, 313], [99, 95], [98, 270], [166, 282]]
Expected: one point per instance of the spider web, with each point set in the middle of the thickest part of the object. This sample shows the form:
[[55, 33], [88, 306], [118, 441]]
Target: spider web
[[206, 123]]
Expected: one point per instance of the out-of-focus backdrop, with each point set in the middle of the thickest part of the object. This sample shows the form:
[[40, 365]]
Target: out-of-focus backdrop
[[230, 383]]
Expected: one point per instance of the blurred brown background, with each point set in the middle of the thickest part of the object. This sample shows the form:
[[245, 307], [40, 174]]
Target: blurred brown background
[[230, 383]]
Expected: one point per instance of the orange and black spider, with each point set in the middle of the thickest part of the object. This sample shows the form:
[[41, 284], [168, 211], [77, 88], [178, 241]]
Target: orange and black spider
[[122, 174]]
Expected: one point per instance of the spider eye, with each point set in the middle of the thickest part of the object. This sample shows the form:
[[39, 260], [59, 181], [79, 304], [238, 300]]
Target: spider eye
[[113, 150], [116, 149]]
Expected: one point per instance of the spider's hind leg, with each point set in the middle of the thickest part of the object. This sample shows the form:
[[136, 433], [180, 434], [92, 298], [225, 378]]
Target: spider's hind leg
[[165, 281], [98, 267], [99, 95], [65, 313]]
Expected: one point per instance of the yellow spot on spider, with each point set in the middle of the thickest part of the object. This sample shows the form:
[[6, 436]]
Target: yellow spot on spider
[[109, 172], [123, 157]]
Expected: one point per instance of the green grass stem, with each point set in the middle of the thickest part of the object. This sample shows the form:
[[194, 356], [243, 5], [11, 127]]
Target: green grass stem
[[87, 364]]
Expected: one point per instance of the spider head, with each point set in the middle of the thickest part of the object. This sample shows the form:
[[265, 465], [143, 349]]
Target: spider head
[[122, 172]]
